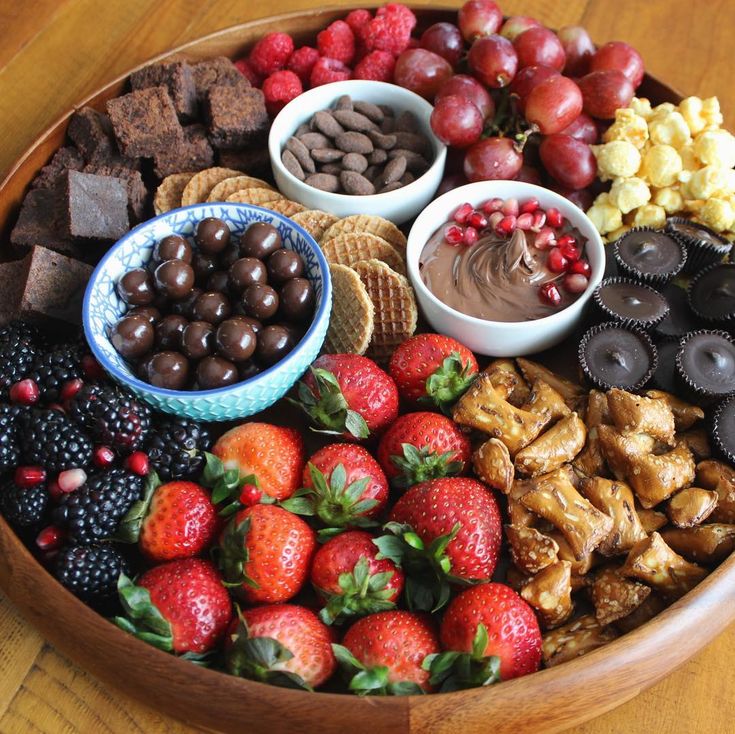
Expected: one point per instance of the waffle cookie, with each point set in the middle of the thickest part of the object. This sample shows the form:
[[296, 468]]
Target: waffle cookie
[[258, 196], [352, 320], [202, 183], [315, 222], [348, 249], [236, 183], [168, 193], [370, 225], [285, 207]]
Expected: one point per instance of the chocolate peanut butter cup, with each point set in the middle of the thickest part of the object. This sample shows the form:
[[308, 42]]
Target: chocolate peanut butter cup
[[705, 364], [613, 355], [712, 294], [723, 429], [704, 245], [630, 303], [650, 256]]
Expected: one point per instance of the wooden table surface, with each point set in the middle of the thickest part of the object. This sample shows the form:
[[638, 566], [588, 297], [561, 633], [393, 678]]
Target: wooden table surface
[[54, 52]]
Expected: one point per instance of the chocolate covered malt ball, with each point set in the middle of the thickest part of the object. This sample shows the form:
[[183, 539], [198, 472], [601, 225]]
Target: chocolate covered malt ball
[[169, 331], [260, 301], [246, 271], [297, 299], [274, 343], [132, 336], [214, 372], [169, 370], [136, 287], [212, 306], [284, 265], [235, 340], [260, 240], [212, 235], [197, 339], [174, 279], [173, 247]]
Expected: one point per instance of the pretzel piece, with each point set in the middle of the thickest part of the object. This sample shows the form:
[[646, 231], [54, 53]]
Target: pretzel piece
[[530, 549], [572, 392], [615, 596], [709, 544], [691, 506], [618, 449], [652, 605], [546, 402], [685, 414], [508, 381], [518, 513], [720, 477], [697, 439], [492, 464], [558, 446], [573, 639], [549, 592], [638, 414], [651, 520]]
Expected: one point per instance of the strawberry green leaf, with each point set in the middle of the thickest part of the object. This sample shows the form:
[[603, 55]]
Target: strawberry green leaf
[[449, 382], [420, 465], [142, 618], [373, 681], [128, 531], [233, 554]]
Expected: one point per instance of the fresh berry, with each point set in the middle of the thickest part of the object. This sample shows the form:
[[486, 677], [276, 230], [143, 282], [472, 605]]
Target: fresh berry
[[554, 218], [137, 463], [267, 551], [92, 369], [19, 347], [176, 446], [271, 53], [71, 479], [432, 369], [351, 580], [462, 213], [244, 67], [384, 653], [51, 370], [377, 66], [272, 454], [302, 62], [326, 71], [282, 644], [90, 572], [555, 261], [345, 485], [279, 89], [349, 394], [422, 446], [29, 476], [390, 29], [112, 416], [470, 236], [93, 512], [358, 19], [549, 293], [512, 630], [23, 506], [51, 440], [453, 234], [103, 456], [250, 495], [70, 389], [24, 392], [337, 41], [581, 267], [9, 449], [50, 539], [506, 226], [545, 239], [180, 606]]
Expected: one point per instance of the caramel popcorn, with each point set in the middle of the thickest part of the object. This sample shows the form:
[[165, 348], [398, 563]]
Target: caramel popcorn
[[616, 159]]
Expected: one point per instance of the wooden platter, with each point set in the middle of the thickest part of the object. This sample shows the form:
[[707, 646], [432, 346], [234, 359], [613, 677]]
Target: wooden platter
[[549, 701]]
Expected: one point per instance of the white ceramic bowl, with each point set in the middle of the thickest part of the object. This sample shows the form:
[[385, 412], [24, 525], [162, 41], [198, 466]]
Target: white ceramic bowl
[[399, 206], [498, 338]]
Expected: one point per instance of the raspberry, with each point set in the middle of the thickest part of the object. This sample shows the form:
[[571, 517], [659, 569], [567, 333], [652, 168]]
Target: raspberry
[[390, 29], [358, 19], [271, 53], [329, 70], [279, 89], [302, 62], [337, 41], [244, 67], [377, 65]]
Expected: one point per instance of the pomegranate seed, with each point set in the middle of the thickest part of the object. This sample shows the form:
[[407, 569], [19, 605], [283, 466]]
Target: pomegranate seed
[[453, 234], [91, 368], [103, 456], [29, 476], [555, 261], [581, 267], [525, 221], [471, 236], [549, 293], [71, 479], [70, 389], [544, 239], [539, 220], [506, 226], [50, 538], [25, 392], [492, 205], [55, 490], [477, 220], [566, 239], [464, 211], [250, 495], [570, 252], [530, 206], [554, 217], [494, 219], [510, 208], [137, 463], [575, 283]]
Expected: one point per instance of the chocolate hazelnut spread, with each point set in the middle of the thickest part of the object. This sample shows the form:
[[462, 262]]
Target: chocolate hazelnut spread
[[495, 279]]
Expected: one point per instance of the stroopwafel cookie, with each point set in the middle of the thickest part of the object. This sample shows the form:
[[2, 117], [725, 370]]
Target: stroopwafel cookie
[[352, 320]]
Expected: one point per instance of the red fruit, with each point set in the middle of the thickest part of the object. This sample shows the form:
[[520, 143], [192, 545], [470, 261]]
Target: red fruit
[[479, 18], [517, 24], [422, 446], [91, 368], [50, 538], [302, 62], [529, 175], [462, 213], [492, 159], [468, 87], [583, 128], [189, 597], [581, 267], [24, 392], [527, 79], [103, 456], [444, 39], [265, 551], [554, 218], [337, 41], [569, 248], [575, 283], [539, 46], [180, 521], [604, 92], [55, 491], [279, 89], [326, 71], [512, 630], [377, 66], [70, 389], [351, 580], [271, 53], [137, 463], [568, 160], [555, 261], [390, 29], [578, 47], [298, 631], [29, 476], [250, 495], [71, 479], [454, 234], [553, 104], [243, 66], [621, 56], [549, 294], [422, 71], [272, 454], [432, 368], [493, 61], [506, 226], [477, 220], [350, 395], [357, 20], [470, 236], [456, 121]]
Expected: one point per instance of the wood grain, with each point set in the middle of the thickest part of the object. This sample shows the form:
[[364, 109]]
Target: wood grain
[[56, 52]]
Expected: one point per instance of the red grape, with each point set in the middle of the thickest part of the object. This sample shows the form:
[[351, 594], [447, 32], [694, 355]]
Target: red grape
[[468, 87], [583, 128], [444, 39], [491, 159], [493, 61], [568, 160], [604, 92], [516, 25], [554, 104], [456, 121], [539, 47], [421, 71], [582, 198], [529, 175], [579, 49], [479, 18], [620, 56], [528, 78]]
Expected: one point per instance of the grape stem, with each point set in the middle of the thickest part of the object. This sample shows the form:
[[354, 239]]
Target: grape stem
[[509, 122]]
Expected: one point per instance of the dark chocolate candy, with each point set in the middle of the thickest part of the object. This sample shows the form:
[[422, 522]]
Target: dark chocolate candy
[[651, 256], [705, 363], [712, 294]]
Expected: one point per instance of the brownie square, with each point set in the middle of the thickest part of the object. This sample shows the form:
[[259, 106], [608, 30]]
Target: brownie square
[[95, 207], [217, 71], [235, 115], [65, 159], [137, 191], [145, 122], [177, 77], [194, 155], [91, 132], [254, 159], [11, 289]]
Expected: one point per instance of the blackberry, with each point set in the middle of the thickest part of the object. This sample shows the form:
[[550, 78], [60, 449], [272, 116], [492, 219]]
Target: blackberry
[[50, 439], [113, 416], [52, 369], [23, 506], [9, 449], [92, 512], [19, 348], [176, 448], [91, 572]]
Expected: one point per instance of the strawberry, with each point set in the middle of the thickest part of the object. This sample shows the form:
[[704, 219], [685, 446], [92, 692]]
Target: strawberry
[[274, 455], [282, 644], [432, 369], [179, 607], [343, 485], [422, 446], [442, 531], [384, 653], [350, 578], [511, 631], [265, 551], [348, 394]]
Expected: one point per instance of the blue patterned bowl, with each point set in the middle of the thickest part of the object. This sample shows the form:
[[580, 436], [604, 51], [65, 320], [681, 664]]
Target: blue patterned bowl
[[103, 307]]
